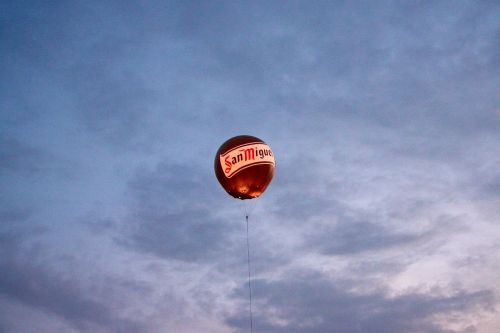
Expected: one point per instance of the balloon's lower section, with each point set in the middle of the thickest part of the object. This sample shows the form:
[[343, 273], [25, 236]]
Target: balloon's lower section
[[249, 183]]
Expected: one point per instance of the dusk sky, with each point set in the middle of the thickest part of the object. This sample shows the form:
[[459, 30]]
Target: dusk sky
[[384, 212]]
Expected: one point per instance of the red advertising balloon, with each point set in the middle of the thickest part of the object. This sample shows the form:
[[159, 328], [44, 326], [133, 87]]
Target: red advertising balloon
[[244, 166]]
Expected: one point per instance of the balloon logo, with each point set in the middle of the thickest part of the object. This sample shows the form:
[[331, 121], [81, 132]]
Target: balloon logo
[[244, 166]]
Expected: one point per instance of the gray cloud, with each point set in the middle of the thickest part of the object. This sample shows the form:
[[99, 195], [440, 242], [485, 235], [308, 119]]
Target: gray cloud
[[17, 157], [383, 116], [312, 303], [26, 279], [189, 236], [353, 237], [350, 236], [175, 216], [43, 290]]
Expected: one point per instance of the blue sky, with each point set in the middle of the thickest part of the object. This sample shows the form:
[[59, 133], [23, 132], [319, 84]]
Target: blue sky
[[384, 119]]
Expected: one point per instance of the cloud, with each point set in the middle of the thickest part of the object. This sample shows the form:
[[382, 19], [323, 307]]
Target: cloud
[[174, 215], [308, 302], [189, 236], [350, 237], [18, 157], [27, 279], [355, 233], [38, 288], [384, 120]]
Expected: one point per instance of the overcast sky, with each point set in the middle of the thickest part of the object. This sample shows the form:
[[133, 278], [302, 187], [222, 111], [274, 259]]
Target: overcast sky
[[383, 216]]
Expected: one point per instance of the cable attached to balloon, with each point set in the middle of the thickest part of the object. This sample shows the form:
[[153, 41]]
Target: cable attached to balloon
[[249, 277]]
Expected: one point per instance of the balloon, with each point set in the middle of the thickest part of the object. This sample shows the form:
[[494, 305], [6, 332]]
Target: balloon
[[244, 166]]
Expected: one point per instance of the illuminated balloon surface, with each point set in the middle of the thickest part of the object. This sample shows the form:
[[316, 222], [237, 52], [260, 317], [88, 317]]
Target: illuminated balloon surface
[[244, 166]]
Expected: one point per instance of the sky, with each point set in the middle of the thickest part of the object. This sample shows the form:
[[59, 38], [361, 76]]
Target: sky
[[383, 215]]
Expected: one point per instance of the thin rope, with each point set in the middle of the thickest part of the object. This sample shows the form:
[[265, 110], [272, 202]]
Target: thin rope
[[249, 280]]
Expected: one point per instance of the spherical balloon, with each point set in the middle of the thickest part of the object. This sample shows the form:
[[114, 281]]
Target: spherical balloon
[[244, 166]]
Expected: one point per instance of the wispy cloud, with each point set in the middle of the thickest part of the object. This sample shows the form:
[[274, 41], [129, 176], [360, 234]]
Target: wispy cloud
[[383, 212]]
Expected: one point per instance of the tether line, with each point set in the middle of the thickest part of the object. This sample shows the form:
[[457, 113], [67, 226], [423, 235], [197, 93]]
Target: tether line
[[249, 280]]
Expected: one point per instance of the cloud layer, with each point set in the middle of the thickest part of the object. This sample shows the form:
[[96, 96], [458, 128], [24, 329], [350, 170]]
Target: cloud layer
[[383, 214]]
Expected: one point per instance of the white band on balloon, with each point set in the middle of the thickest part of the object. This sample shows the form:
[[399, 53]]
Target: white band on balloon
[[245, 156]]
